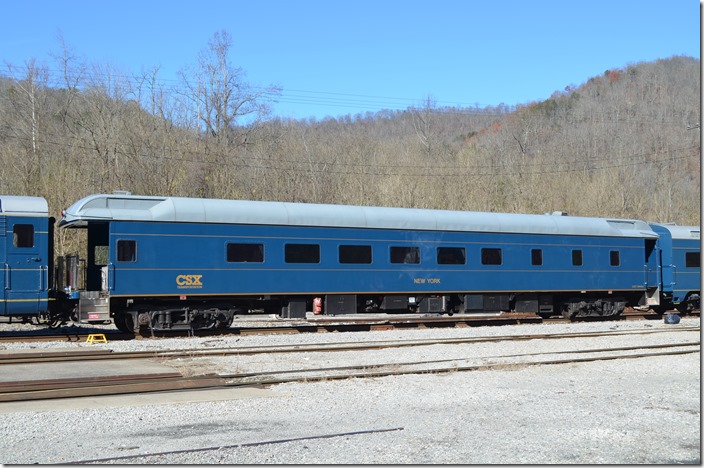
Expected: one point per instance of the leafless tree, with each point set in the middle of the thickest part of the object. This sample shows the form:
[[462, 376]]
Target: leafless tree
[[221, 98]]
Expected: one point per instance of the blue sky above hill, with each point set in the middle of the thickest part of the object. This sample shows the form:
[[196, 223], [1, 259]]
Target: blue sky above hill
[[335, 58]]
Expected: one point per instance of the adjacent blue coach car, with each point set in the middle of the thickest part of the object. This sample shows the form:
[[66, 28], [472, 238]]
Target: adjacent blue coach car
[[169, 262], [26, 255], [680, 261]]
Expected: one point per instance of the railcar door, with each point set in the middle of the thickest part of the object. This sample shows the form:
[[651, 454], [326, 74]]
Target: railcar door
[[668, 269], [652, 261], [652, 273], [26, 268]]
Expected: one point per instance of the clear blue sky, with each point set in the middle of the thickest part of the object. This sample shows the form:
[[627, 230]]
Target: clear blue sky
[[345, 57]]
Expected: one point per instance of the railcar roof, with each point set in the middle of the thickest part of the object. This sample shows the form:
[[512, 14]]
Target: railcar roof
[[681, 232], [24, 206], [118, 207]]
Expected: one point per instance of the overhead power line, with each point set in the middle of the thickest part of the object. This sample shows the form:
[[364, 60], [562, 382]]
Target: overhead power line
[[513, 169], [57, 79], [362, 102]]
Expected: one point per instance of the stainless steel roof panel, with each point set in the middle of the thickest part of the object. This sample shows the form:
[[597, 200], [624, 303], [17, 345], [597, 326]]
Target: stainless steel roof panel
[[196, 210], [24, 206], [681, 232]]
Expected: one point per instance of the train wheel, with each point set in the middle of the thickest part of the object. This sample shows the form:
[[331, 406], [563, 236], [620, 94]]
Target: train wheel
[[223, 325], [56, 323], [56, 320], [119, 322], [124, 323]]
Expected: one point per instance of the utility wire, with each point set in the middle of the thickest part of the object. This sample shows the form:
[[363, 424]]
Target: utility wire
[[330, 167], [105, 75]]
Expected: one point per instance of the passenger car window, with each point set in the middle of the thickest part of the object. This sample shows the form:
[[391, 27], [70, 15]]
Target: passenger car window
[[245, 253], [536, 257], [302, 253], [451, 256], [692, 259], [23, 235], [615, 258], [492, 257], [577, 257], [126, 251], [405, 255], [360, 254]]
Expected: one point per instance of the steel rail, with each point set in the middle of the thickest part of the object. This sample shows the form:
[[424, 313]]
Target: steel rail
[[316, 325], [112, 385], [104, 354], [332, 323], [15, 337], [108, 385], [376, 371]]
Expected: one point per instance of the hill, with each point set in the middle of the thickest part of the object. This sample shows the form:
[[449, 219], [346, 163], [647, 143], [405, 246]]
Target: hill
[[622, 144]]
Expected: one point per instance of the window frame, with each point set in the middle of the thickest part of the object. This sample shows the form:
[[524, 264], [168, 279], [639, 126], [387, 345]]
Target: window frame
[[120, 251], [362, 254], [692, 259], [395, 252], [577, 257], [292, 257], [489, 256], [451, 253], [233, 255], [615, 258], [23, 236]]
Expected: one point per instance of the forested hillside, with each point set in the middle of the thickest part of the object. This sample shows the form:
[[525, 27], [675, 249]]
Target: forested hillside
[[625, 143]]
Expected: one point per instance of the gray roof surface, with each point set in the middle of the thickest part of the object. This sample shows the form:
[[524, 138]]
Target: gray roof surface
[[25, 206], [681, 232], [121, 207]]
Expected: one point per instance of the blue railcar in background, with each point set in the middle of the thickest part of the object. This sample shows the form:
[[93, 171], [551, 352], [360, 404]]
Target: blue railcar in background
[[680, 261], [26, 240], [169, 262]]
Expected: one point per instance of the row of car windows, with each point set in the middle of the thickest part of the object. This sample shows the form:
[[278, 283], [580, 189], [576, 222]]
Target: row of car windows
[[23, 237], [362, 254]]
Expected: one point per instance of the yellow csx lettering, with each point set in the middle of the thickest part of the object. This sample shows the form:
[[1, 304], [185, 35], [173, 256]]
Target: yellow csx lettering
[[189, 281]]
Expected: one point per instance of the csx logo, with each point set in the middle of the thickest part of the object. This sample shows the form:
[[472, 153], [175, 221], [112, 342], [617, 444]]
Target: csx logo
[[189, 281]]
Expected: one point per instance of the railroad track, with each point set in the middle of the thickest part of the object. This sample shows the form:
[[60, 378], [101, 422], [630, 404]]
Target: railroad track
[[457, 365], [111, 385], [324, 324], [146, 456], [317, 324], [14, 337], [107, 354]]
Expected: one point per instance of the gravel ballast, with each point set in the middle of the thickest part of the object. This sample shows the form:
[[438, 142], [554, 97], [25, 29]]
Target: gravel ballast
[[626, 411]]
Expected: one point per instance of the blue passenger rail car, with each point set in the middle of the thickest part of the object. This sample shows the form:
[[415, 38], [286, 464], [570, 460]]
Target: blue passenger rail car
[[680, 260], [170, 262], [26, 256]]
